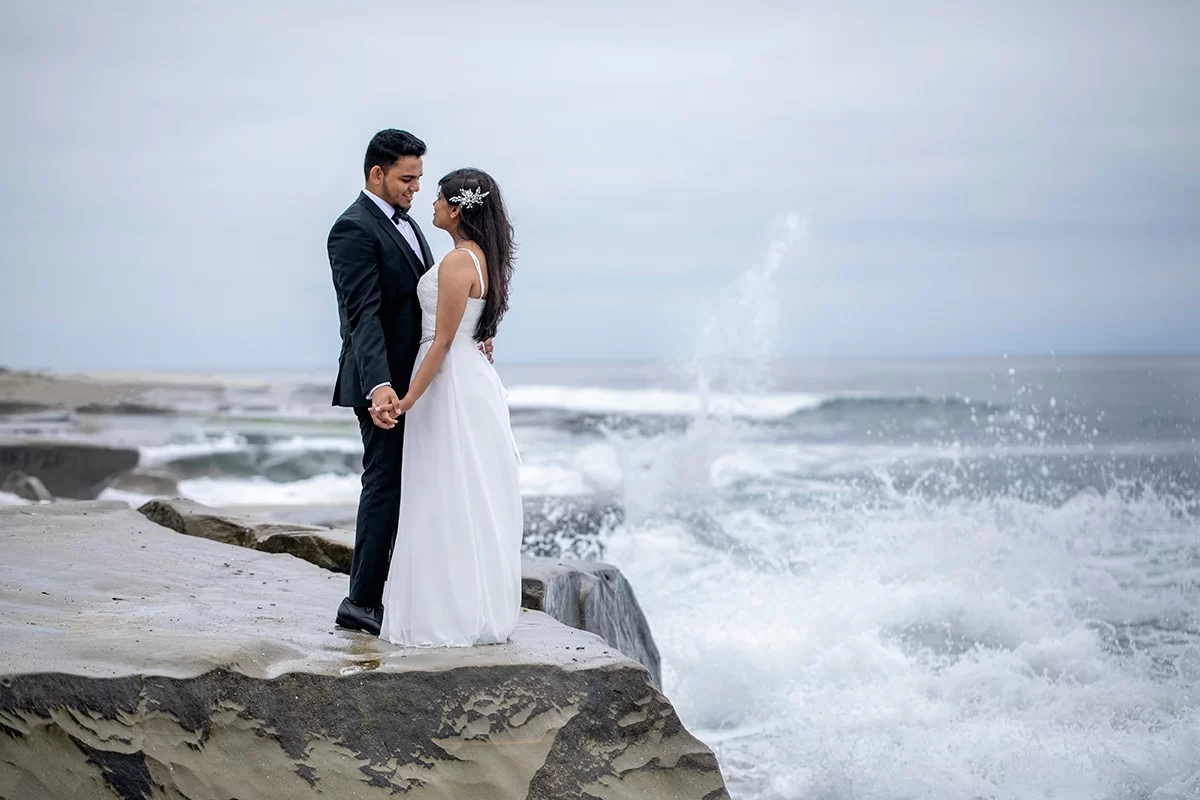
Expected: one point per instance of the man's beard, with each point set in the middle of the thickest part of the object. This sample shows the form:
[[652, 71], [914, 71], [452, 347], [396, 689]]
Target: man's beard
[[399, 202]]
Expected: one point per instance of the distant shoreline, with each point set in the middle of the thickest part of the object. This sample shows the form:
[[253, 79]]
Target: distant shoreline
[[24, 389], [203, 377]]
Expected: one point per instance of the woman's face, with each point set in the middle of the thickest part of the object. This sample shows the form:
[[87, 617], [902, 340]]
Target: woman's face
[[443, 213]]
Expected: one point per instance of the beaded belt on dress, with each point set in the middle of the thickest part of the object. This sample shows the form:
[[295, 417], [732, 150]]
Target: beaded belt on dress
[[425, 340]]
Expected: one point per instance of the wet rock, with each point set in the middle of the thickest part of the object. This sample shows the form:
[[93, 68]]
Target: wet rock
[[140, 664], [131, 409], [8, 407], [149, 481], [592, 596], [26, 487], [588, 595], [78, 471]]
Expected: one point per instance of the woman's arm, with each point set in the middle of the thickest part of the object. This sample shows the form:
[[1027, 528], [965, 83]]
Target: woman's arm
[[456, 276]]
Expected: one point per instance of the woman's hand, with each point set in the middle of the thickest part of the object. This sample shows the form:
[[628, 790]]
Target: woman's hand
[[405, 404]]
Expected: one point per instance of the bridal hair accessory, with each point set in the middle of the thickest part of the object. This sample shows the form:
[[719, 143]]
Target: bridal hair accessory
[[469, 198]]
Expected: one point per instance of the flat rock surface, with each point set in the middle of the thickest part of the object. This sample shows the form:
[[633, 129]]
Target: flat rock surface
[[109, 592], [589, 595], [138, 663]]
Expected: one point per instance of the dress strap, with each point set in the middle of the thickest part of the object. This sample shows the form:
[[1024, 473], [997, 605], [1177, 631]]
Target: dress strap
[[478, 269]]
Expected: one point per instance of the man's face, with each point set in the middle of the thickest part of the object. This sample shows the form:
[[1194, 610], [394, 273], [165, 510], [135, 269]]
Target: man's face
[[401, 181]]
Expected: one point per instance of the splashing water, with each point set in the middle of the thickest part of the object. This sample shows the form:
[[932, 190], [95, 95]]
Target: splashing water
[[919, 598], [674, 471], [733, 347]]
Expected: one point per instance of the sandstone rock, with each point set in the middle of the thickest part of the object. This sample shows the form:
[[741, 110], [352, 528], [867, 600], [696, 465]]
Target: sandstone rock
[[139, 664], [149, 481], [25, 486], [323, 547], [588, 595], [592, 596], [68, 469]]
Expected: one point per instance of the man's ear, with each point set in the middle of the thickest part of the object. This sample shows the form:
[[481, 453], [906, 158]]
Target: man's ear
[[376, 174]]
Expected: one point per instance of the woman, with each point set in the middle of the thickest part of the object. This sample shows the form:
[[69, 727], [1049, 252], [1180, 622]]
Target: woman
[[455, 575]]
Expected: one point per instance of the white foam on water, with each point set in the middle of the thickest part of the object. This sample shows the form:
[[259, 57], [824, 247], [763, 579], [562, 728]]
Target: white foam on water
[[324, 444], [552, 478], [290, 411], [852, 646], [326, 489], [600, 467], [9, 499], [158, 454], [132, 499], [929, 651], [329, 489], [660, 401]]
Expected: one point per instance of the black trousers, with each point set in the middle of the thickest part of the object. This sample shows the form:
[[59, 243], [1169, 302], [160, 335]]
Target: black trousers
[[378, 509]]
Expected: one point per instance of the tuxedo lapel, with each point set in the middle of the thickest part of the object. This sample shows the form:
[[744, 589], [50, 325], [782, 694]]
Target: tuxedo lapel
[[426, 253], [414, 261]]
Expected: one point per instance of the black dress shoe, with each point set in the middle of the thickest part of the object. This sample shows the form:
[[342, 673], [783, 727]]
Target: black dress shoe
[[359, 618]]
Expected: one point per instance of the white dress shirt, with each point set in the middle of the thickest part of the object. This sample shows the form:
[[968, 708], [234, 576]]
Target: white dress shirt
[[410, 236], [405, 228]]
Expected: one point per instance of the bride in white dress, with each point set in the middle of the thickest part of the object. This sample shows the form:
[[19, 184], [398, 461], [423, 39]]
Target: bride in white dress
[[455, 574]]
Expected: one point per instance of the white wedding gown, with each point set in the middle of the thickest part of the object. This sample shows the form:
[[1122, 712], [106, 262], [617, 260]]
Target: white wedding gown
[[455, 575]]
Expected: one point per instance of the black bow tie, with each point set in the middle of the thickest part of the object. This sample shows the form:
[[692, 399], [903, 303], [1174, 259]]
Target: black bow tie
[[400, 215]]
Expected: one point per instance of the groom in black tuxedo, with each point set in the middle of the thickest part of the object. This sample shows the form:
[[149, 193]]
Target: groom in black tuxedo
[[377, 254]]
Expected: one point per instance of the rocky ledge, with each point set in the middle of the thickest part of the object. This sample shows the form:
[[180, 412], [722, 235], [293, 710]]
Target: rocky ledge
[[589, 595], [67, 469], [139, 663]]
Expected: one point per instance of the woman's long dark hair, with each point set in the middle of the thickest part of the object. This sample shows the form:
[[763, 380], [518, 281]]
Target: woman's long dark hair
[[487, 225]]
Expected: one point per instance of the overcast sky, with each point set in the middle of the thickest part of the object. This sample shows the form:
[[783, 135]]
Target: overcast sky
[[1022, 177]]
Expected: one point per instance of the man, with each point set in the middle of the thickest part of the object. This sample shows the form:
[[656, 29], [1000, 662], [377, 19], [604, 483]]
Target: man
[[377, 254]]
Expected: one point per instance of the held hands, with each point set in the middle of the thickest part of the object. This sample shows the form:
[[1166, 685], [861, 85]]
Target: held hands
[[386, 407]]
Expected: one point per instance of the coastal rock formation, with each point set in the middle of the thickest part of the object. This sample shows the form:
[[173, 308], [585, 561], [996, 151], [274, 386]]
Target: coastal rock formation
[[139, 664], [134, 409], [22, 391], [323, 547], [592, 596], [11, 407], [149, 481], [68, 469], [26, 487], [588, 595]]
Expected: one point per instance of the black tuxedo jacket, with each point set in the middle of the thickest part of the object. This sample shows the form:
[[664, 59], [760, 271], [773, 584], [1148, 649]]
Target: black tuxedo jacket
[[375, 274]]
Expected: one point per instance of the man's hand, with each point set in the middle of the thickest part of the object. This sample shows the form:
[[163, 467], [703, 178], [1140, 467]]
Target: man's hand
[[485, 347], [385, 407]]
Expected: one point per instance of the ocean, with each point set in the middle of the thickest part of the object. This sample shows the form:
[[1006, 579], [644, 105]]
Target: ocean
[[956, 578], [946, 579]]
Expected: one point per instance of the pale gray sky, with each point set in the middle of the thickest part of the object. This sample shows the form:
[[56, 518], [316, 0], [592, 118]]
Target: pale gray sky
[[1021, 177]]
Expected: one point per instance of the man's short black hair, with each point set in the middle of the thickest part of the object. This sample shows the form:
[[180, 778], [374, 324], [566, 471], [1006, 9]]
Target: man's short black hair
[[389, 146]]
